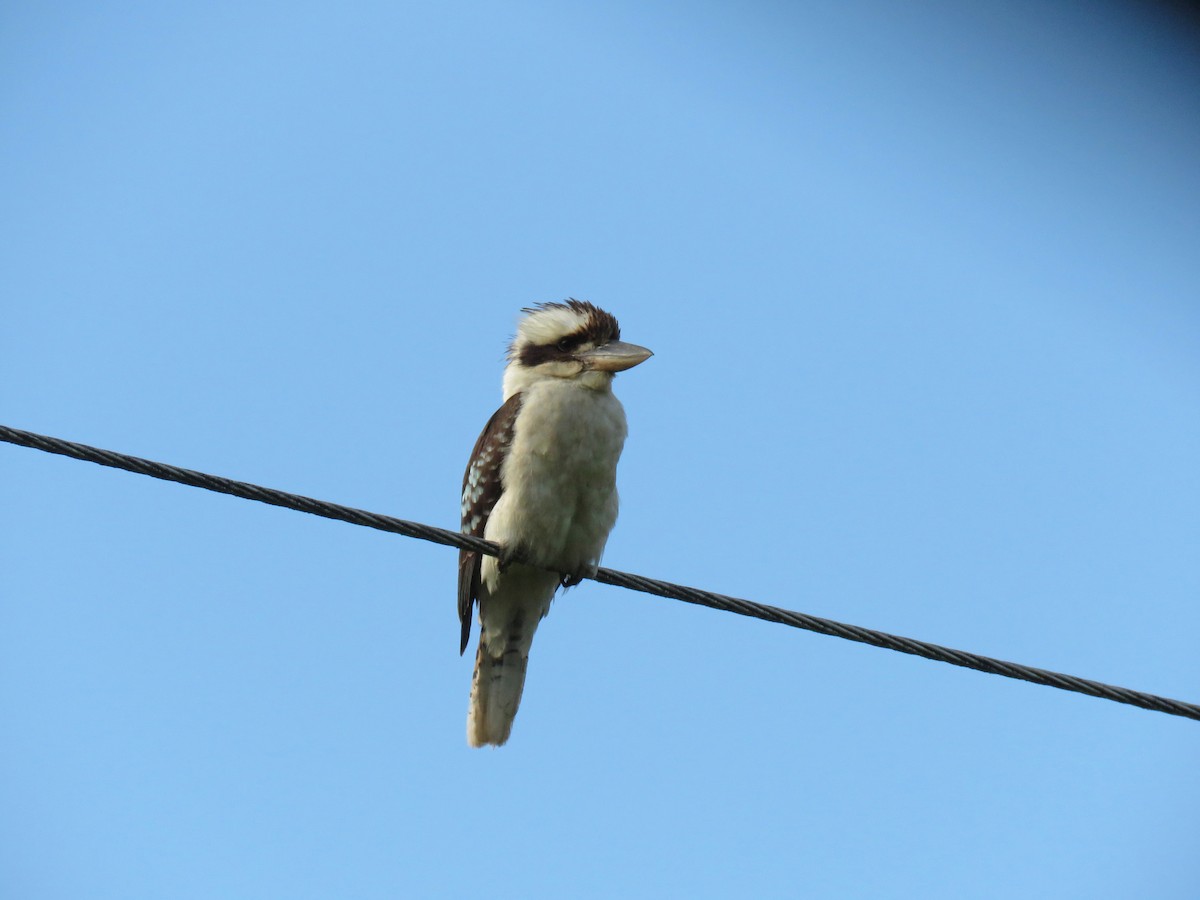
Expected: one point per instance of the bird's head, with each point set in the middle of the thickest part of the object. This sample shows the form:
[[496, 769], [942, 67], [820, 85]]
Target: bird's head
[[573, 340]]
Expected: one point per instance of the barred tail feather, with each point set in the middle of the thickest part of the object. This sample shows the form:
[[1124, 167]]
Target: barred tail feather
[[495, 694]]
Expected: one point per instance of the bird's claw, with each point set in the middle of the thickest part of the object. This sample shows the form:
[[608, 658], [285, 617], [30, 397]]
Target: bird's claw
[[570, 579], [508, 555]]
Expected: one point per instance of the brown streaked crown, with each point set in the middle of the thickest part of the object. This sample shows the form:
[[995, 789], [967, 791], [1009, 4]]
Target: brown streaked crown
[[552, 331]]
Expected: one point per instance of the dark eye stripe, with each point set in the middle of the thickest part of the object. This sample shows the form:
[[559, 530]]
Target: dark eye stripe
[[570, 344], [536, 354]]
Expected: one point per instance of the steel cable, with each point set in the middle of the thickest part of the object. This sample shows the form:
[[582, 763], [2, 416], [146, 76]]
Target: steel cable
[[696, 596]]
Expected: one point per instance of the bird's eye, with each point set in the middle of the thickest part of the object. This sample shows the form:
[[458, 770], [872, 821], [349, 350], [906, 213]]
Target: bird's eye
[[566, 345]]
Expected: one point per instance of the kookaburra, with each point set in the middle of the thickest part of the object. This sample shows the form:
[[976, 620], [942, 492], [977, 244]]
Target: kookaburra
[[541, 483]]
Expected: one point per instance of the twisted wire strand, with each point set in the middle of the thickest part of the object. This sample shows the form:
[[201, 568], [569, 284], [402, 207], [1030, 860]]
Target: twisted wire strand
[[627, 580]]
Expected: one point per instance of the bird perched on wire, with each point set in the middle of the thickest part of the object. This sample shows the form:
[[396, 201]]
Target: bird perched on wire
[[541, 482]]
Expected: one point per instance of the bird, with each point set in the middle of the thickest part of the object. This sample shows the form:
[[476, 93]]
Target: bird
[[541, 482]]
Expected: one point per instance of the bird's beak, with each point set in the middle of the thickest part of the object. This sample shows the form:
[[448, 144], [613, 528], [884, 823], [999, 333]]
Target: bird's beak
[[615, 356]]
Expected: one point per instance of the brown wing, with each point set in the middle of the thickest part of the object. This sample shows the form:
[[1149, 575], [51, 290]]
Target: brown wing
[[481, 490]]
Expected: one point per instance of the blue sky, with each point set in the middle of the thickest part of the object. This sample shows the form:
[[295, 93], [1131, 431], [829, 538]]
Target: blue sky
[[922, 286]]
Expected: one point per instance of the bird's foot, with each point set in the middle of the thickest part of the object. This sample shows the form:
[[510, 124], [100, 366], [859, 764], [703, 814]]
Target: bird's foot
[[508, 555], [570, 579]]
